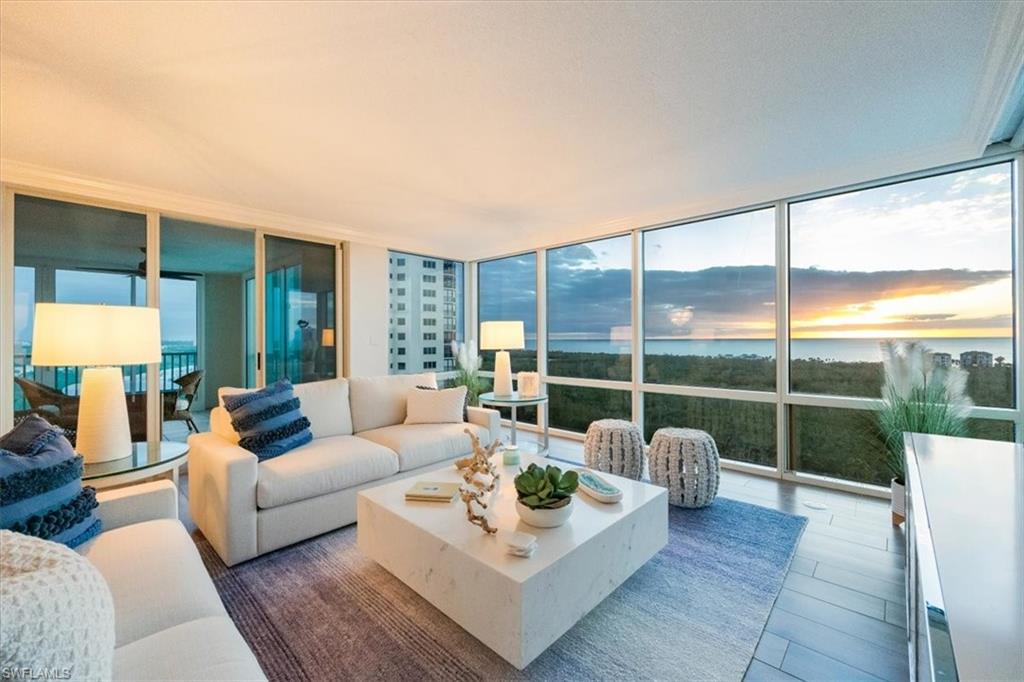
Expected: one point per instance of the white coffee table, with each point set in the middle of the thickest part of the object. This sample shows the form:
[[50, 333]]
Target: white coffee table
[[517, 607]]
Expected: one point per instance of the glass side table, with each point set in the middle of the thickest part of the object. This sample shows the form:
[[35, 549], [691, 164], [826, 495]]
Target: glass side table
[[514, 401], [147, 460]]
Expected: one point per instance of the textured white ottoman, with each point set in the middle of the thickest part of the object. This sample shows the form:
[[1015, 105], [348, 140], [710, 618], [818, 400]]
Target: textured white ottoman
[[686, 462], [615, 446]]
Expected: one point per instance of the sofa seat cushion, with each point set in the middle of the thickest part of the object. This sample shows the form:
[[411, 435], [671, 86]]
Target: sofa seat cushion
[[418, 445], [203, 649], [155, 576], [323, 466]]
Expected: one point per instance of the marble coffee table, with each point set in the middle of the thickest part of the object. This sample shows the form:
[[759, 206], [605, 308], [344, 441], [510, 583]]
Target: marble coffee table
[[517, 607]]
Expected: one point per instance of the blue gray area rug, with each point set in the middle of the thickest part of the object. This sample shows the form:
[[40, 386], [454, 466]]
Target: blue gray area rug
[[322, 611]]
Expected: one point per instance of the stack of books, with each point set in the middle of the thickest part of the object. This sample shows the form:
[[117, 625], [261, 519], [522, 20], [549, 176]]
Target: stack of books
[[430, 491]]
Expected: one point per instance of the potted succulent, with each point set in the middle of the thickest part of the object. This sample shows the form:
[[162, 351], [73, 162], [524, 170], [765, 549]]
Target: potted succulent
[[918, 396], [545, 495]]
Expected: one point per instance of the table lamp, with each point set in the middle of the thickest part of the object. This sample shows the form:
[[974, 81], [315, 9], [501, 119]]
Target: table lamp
[[100, 336], [502, 337]]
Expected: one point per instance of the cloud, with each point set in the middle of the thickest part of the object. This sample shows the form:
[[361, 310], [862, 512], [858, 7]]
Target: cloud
[[586, 300], [926, 317]]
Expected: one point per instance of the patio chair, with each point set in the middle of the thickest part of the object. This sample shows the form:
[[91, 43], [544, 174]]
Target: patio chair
[[57, 408], [188, 387]]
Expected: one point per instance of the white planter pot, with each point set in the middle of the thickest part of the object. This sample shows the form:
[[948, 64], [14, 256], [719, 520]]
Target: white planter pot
[[545, 518], [898, 505]]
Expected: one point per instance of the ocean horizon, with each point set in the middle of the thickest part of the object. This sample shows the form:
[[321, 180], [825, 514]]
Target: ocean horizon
[[840, 350]]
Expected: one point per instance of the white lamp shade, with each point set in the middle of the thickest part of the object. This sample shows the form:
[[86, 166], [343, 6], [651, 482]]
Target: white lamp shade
[[75, 334], [502, 335]]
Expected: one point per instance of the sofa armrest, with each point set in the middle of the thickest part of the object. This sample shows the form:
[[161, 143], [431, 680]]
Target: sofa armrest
[[487, 418], [222, 495], [137, 503]]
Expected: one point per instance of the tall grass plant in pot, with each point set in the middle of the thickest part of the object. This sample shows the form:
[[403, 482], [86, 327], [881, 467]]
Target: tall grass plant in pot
[[918, 396], [467, 370]]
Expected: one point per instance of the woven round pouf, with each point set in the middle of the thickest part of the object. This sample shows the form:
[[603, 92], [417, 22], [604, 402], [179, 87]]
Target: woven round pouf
[[686, 462], [615, 446]]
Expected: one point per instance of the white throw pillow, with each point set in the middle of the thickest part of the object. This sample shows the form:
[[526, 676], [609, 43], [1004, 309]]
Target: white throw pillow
[[426, 406], [58, 614]]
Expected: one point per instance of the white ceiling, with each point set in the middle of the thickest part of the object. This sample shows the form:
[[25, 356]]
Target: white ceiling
[[469, 130]]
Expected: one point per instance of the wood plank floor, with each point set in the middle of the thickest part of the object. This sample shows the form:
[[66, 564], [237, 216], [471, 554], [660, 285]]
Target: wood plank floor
[[840, 613]]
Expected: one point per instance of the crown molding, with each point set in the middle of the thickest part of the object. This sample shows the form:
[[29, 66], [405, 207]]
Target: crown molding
[[1003, 63], [31, 178]]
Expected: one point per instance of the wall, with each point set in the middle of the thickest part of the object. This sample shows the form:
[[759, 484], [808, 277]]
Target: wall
[[366, 309], [224, 359]]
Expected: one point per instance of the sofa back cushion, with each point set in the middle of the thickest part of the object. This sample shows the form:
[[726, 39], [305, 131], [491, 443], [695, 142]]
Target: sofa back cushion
[[324, 404], [381, 401], [41, 491]]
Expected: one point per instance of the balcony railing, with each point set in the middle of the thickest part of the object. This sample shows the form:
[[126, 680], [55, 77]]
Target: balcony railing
[[66, 379]]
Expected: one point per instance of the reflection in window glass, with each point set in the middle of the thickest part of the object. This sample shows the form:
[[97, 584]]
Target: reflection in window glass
[[508, 291], [299, 308], [927, 259], [589, 294], [709, 302], [743, 431], [574, 407], [431, 301]]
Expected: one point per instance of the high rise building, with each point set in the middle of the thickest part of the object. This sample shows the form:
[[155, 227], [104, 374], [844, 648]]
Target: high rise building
[[425, 312]]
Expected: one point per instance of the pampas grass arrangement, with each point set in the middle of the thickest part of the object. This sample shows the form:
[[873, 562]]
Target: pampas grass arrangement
[[467, 372], [920, 397]]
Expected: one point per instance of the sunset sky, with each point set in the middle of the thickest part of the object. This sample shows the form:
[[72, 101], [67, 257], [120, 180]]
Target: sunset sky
[[926, 258]]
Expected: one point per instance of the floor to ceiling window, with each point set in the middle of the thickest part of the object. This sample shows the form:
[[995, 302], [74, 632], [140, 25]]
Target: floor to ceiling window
[[73, 253], [709, 302], [929, 259], [589, 305], [507, 290], [207, 317], [426, 312]]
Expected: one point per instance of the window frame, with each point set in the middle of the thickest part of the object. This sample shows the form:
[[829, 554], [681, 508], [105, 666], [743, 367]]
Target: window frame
[[782, 397]]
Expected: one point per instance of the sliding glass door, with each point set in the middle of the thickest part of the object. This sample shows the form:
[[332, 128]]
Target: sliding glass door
[[238, 307], [73, 253], [299, 310]]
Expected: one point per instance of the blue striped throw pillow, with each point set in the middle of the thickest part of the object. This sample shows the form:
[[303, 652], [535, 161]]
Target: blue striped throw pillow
[[41, 491], [268, 420]]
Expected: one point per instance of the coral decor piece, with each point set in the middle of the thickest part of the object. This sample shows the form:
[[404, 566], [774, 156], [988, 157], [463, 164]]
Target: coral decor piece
[[481, 478]]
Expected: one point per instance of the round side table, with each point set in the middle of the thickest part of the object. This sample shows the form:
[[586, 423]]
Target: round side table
[[514, 401], [147, 460]]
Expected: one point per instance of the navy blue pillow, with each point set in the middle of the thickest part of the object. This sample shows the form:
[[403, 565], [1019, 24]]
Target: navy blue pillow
[[41, 491], [268, 420]]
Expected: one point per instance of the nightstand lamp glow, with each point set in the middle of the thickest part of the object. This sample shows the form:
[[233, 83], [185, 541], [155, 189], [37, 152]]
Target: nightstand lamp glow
[[101, 337], [502, 337]]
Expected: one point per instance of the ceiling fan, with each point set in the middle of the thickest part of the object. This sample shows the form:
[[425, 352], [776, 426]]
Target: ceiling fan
[[140, 270]]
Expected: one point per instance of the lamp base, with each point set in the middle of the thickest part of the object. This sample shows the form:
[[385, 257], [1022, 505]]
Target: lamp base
[[502, 374], [103, 430]]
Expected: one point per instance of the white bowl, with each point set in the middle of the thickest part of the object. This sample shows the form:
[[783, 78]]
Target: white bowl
[[544, 518]]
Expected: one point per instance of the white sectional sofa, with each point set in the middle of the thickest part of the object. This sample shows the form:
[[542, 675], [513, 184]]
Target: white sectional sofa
[[169, 622], [246, 508]]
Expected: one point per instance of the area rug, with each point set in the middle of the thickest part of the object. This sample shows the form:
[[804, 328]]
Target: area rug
[[321, 610]]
